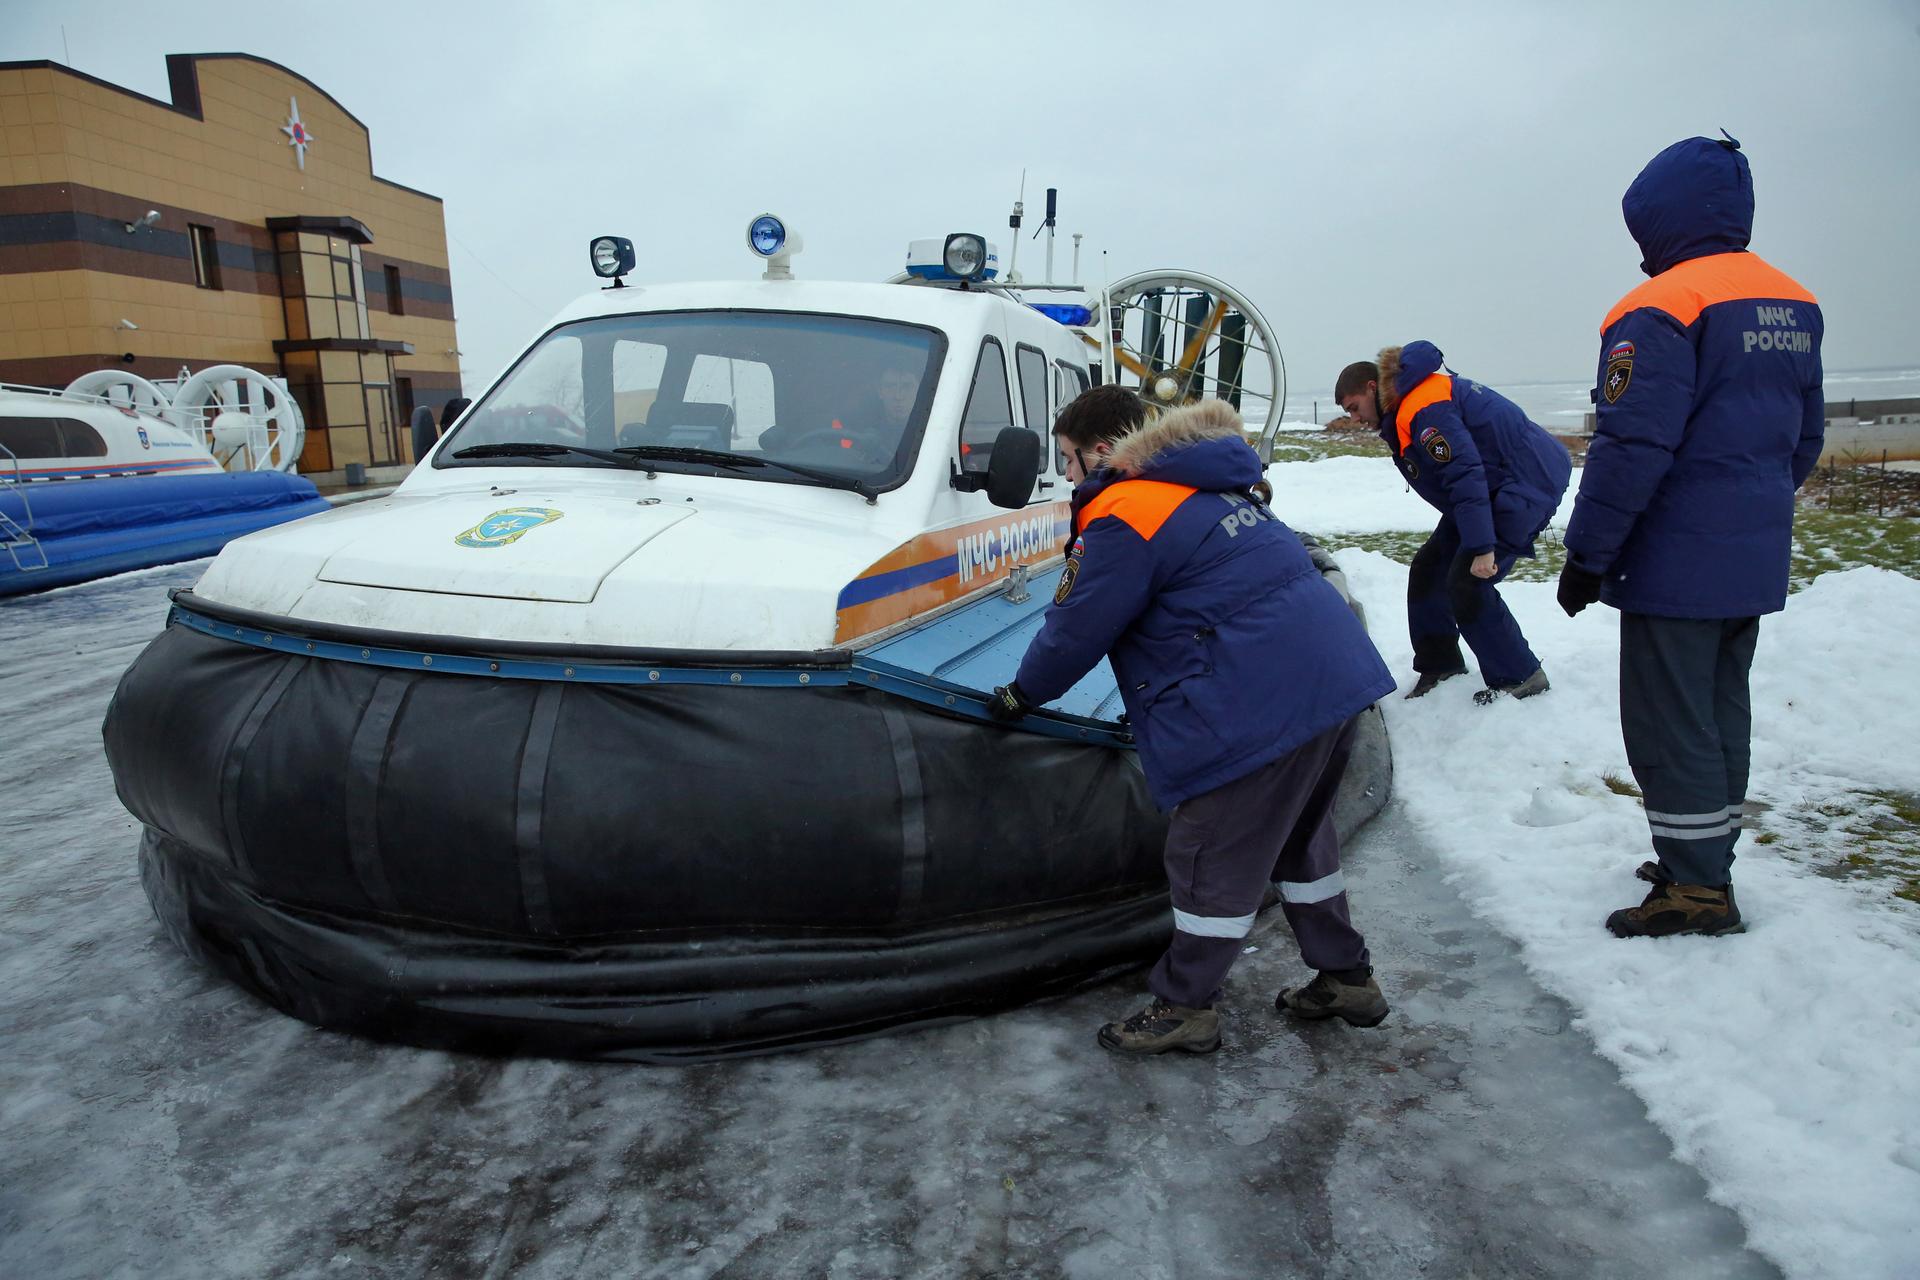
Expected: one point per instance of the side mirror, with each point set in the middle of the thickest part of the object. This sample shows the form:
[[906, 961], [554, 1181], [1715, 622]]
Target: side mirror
[[451, 411], [424, 432], [1013, 468]]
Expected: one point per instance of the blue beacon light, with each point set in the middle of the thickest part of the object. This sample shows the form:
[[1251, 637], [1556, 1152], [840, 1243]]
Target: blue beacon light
[[766, 235]]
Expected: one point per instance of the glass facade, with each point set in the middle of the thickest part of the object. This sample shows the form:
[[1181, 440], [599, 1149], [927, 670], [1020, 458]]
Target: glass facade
[[344, 384]]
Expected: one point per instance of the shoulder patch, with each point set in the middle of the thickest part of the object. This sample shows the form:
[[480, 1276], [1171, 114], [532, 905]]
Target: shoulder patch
[[1620, 351], [1436, 445], [1619, 374], [1067, 576]]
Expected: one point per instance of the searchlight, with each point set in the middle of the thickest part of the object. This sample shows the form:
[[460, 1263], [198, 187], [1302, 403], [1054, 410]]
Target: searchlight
[[964, 257], [770, 238], [612, 256]]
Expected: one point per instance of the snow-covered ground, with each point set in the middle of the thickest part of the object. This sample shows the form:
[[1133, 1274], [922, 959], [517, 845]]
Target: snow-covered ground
[[1785, 1062]]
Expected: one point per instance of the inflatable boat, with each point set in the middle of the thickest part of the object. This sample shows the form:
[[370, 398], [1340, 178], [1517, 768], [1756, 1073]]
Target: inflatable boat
[[646, 718], [116, 473]]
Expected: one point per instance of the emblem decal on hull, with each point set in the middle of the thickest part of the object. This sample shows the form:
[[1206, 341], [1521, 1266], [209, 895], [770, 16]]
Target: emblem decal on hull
[[502, 527]]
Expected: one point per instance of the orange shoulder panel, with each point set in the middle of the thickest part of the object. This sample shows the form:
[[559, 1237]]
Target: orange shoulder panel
[[1143, 504], [1432, 390], [1683, 292]]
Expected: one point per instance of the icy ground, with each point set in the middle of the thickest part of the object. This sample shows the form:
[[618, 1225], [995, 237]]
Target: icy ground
[[160, 1123], [1784, 1063], [1751, 1102]]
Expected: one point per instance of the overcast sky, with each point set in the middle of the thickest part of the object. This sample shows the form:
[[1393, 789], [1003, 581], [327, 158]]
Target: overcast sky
[[1367, 174]]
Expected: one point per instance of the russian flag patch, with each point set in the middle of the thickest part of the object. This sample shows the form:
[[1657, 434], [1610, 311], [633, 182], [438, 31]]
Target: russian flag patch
[[1620, 351]]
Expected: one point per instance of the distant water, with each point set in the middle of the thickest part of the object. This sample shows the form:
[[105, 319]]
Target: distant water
[[1560, 406]]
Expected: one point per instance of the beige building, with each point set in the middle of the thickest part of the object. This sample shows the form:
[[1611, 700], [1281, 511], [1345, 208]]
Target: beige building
[[275, 246]]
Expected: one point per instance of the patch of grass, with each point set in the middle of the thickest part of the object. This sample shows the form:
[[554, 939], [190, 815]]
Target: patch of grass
[[1871, 836], [1619, 785], [1825, 540], [1309, 446]]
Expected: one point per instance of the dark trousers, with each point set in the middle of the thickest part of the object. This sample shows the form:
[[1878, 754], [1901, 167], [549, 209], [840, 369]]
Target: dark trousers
[[1688, 726], [1225, 846], [1445, 603]]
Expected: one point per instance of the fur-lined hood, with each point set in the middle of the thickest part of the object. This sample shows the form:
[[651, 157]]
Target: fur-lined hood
[[1404, 368], [1389, 363], [1189, 424]]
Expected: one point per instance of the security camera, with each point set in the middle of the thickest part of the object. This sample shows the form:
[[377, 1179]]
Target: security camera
[[147, 219], [127, 324]]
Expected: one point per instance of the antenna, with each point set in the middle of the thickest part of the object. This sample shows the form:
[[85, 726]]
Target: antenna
[[1106, 319], [1076, 256], [1053, 197], [1019, 207]]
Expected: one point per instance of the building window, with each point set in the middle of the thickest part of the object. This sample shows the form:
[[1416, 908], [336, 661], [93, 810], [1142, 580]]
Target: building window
[[394, 305], [206, 256]]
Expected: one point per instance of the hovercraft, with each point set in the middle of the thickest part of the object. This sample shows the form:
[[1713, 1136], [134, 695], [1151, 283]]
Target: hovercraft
[[646, 718], [116, 473]]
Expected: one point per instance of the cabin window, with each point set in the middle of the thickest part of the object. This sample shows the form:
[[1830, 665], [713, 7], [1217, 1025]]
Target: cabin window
[[745, 387], [989, 408], [827, 396], [206, 256], [78, 440], [30, 438], [1070, 380], [1033, 387], [49, 438], [395, 306]]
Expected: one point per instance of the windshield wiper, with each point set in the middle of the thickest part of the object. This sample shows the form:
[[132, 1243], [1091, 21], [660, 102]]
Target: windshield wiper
[[721, 458], [547, 449]]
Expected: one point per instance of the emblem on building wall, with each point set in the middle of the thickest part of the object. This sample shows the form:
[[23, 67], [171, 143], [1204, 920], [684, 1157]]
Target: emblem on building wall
[[296, 132]]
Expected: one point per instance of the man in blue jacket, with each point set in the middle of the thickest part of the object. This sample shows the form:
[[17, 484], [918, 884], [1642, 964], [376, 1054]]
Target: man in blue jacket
[[1496, 479], [1710, 415], [1242, 670]]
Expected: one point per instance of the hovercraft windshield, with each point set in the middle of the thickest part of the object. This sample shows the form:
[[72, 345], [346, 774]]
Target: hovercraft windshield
[[769, 396]]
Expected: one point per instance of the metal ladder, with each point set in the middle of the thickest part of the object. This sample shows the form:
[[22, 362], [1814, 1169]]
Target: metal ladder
[[16, 537]]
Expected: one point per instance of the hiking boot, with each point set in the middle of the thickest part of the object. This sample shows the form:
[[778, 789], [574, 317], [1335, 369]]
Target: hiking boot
[[1430, 680], [1162, 1026], [1352, 995], [1535, 683], [1672, 909], [1650, 872]]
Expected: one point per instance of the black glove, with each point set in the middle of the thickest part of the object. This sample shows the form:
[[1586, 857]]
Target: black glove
[[1578, 589], [1008, 703]]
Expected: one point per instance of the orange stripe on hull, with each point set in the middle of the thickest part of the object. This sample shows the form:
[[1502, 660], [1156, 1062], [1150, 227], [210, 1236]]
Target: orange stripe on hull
[[961, 561]]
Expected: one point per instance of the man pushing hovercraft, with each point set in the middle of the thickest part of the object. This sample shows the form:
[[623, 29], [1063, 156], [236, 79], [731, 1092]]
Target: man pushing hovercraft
[[1242, 670]]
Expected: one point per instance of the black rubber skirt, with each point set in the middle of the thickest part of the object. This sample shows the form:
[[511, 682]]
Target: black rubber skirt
[[625, 853], [644, 872]]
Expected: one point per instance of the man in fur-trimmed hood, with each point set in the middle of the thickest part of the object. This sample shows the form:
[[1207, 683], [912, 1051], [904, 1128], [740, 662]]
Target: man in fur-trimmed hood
[[1242, 670], [1495, 477]]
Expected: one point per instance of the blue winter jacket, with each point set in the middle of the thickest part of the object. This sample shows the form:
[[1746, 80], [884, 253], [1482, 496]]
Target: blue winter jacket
[[1710, 411], [1469, 451], [1229, 647]]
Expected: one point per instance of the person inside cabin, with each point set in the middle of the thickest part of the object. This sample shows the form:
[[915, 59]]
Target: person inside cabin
[[1242, 670], [873, 423], [1496, 479]]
